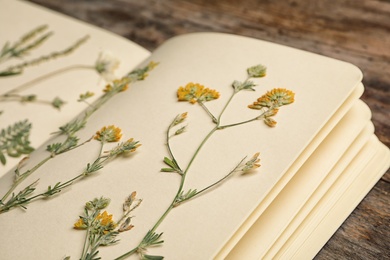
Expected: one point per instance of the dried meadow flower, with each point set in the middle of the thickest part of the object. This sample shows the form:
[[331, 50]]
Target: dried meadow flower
[[179, 119], [80, 224], [253, 163], [109, 134], [106, 221], [274, 98], [106, 64], [194, 92], [257, 71]]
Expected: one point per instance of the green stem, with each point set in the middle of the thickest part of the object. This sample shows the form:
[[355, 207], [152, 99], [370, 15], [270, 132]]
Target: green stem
[[208, 111], [127, 254], [20, 98], [261, 116], [169, 147], [24, 176], [226, 105], [215, 183], [45, 194], [29, 84], [86, 244], [199, 148], [240, 123]]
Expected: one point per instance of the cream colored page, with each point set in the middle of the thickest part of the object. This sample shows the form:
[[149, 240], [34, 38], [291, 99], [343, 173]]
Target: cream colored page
[[322, 225], [16, 19], [316, 197], [198, 228], [261, 236], [279, 186]]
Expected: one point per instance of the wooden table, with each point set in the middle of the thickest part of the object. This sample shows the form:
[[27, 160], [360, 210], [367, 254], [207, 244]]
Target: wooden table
[[353, 31]]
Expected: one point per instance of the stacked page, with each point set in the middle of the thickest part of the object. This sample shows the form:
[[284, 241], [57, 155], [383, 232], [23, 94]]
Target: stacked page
[[204, 121]]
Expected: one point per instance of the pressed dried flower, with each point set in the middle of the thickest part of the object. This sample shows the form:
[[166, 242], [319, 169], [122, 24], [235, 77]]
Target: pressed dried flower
[[106, 220], [109, 134], [181, 130], [270, 122], [106, 64], [100, 203], [107, 88], [180, 118], [253, 163], [246, 85], [271, 112], [129, 200], [141, 74], [128, 146], [194, 92], [116, 86], [86, 95], [257, 71], [126, 226], [275, 98], [80, 224], [152, 65]]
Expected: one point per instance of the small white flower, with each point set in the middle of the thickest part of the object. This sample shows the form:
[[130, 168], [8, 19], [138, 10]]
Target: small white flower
[[106, 65]]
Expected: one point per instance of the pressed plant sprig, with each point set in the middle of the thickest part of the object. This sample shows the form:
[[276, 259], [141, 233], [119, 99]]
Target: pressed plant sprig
[[70, 129], [105, 66], [26, 43], [56, 102], [13, 94], [196, 93], [18, 68], [101, 229], [105, 135], [14, 140]]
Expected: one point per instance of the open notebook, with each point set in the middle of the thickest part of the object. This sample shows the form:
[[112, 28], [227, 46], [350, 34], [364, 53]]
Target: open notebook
[[317, 163]]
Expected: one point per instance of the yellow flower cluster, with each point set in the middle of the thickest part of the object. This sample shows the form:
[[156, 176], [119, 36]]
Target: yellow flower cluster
[[118, 84], [194, 92], [80, 224], [106, 220], [272, 100], [109, 134], [103, 220], [275, 98]]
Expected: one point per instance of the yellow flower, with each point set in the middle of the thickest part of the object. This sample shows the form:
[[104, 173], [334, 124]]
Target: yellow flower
[[105, 219], [109, 134], [80, 224], [85, 96], [275, 98], [118, 85], [152, 65], [108, 88], [194, 92]]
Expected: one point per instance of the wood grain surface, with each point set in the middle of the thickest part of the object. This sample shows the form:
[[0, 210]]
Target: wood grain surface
[[356, 31]]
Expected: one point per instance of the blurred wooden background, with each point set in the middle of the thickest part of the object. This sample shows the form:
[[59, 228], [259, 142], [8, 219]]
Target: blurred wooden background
[[349, 30]]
